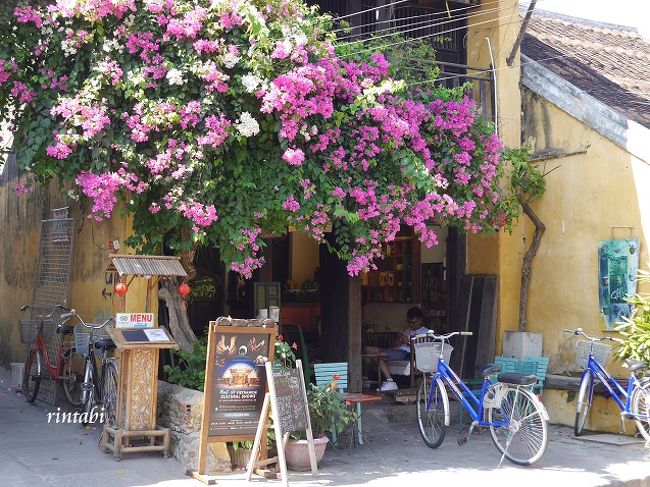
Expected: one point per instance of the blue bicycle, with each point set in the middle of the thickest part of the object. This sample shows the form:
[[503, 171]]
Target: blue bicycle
[[633, 401], [516, 418]]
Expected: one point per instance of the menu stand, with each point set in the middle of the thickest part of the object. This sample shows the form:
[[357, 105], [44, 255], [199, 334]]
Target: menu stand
[[135, 429]]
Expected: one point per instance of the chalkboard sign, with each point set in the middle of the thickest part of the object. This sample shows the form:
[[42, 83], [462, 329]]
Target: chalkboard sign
[[290, 397]]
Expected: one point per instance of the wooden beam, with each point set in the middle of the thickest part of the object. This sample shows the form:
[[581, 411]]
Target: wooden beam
[[354, 334]]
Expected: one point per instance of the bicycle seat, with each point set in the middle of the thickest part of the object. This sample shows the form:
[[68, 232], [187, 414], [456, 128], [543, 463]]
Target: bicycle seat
[[635, 365], [491, 369], [65, 329], [104, 343], [518, 379]]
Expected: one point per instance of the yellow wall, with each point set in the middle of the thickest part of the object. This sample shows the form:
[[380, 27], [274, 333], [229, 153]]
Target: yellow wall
[[20, 217], [304, 258], [587, 195], [499, 254]]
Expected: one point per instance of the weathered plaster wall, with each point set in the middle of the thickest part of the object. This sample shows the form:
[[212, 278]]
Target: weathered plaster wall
[[587, 195], [499, 254], [91, 288]]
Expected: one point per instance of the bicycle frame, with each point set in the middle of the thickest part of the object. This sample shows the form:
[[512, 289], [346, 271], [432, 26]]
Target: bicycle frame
[[452, 380], [39, 344], [615, 389]]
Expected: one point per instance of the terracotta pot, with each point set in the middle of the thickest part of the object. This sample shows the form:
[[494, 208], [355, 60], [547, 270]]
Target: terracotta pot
[[239, 457], [297, 453]]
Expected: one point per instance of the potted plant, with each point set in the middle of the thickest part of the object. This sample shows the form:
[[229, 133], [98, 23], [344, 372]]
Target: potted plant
[[240, 453], [327, 413]]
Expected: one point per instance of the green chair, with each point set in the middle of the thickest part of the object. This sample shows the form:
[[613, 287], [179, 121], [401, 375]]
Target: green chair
[[336, 372], [539, 366]]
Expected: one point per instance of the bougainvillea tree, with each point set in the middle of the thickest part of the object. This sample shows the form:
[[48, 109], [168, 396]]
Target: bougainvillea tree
[[228, 119]]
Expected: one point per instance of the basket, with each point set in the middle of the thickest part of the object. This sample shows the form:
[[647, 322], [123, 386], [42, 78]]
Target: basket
[[29, 330], [427, 354], [601, 353], [17, 370], [81, 340]]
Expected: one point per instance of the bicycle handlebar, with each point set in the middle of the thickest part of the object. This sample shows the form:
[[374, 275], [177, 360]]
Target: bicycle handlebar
[[73, 313], [25, 307], [446, 336], [579, 331]]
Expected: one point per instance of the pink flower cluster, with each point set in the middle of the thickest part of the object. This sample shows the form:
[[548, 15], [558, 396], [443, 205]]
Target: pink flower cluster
[[102, 189], [27, 14], [95, 9], [293, 157], [201, 215]]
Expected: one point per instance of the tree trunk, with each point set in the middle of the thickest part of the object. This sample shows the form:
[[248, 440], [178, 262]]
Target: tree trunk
[[187, 256], [179, 323], [526, 268]]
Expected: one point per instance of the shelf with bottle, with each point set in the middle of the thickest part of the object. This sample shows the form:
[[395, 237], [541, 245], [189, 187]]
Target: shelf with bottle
[[393, 281]]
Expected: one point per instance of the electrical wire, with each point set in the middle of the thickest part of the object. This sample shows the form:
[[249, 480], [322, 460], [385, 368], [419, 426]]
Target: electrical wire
[[435, 34], [370, 9], [427, 24], [436, 14]]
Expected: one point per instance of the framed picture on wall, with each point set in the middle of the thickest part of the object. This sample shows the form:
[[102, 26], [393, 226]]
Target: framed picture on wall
[[618, 265]]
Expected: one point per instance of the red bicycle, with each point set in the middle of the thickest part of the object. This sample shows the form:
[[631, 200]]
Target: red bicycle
[[38, 365]]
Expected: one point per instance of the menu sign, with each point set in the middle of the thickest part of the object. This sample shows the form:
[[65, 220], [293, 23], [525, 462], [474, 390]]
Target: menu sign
[[237, 379], [290, 400]]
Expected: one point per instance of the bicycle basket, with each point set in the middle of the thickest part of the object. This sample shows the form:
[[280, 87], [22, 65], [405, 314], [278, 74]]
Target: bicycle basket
[[427, 354], [81, 340], [29, 330], [600, 351]]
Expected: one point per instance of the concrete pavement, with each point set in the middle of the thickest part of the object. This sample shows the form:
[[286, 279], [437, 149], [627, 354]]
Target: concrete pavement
[[34, 453]]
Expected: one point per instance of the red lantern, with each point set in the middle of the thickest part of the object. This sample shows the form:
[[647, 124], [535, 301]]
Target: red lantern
[[121, 288], [184, 290]]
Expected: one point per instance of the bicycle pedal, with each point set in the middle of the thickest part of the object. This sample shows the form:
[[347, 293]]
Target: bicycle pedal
[[462, 439]]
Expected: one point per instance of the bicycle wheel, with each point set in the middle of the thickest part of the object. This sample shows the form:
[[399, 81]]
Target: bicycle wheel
[[432, 421], [523, 436], [88, 398], [584, 402], [109, 394], [71, 380], [641, 408], [32, 374]]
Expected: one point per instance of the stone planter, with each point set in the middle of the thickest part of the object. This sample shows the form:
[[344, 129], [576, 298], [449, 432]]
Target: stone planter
[[297, 453], [521, 344], [239, 457], [180, 410]]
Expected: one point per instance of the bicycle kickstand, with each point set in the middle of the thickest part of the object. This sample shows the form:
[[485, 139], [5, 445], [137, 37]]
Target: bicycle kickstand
[[464, 436], [622, 417]]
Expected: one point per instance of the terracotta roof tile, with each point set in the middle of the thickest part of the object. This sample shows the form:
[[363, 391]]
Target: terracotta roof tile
[[611, 63]]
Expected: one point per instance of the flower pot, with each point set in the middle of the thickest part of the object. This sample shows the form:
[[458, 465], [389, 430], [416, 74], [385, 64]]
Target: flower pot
[[297, 453], [239, 457]]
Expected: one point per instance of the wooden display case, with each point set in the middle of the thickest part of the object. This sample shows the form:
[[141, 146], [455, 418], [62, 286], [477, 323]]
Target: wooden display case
[[397, 278]]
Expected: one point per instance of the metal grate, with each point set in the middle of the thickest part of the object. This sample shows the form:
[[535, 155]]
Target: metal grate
[[55, 252], [51, 288]]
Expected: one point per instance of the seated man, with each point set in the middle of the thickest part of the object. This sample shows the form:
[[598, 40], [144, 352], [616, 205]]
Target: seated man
[[401, 350]]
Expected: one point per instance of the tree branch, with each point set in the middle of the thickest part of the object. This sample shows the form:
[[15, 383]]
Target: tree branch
[[526, 267]]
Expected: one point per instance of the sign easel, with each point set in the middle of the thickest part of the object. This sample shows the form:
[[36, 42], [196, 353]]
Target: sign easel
[[235, 384], [287, 398]]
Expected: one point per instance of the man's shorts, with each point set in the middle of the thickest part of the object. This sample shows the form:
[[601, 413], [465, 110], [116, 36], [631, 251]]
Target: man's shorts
[[396, 354]]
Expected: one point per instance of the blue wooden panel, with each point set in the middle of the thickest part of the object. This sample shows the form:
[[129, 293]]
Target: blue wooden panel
[[325, 372]]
